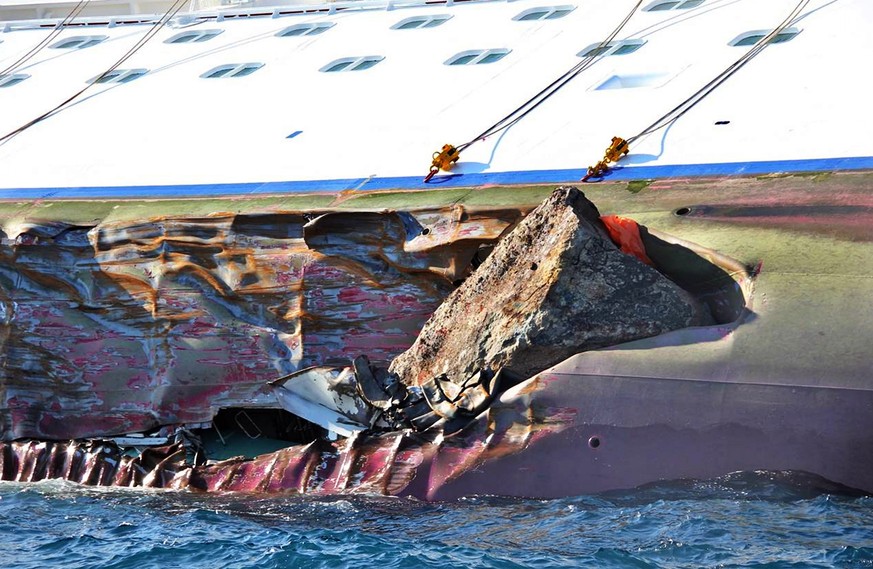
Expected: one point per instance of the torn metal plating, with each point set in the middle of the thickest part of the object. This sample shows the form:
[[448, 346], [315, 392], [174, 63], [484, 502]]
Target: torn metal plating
[[402, 462], [187, 304], [369, 399], [165, 321], [780, 381]]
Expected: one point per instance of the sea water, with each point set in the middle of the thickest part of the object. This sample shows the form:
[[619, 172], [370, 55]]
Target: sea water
[[742, 520]]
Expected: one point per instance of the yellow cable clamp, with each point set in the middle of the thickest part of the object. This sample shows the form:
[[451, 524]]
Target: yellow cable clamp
[[443, 160], [616, 150]]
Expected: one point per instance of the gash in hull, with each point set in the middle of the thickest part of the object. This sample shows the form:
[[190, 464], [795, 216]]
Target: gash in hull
[[155, 272]]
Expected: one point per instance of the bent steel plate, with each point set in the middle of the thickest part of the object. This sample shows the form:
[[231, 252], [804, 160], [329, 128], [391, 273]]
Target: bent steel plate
[[787, 387]]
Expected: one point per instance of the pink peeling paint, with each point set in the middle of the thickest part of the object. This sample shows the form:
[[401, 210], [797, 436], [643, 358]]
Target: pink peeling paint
[[189, 315], [399, 463]]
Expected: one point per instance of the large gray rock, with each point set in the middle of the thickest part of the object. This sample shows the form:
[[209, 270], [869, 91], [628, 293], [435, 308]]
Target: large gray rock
[[555, 286]]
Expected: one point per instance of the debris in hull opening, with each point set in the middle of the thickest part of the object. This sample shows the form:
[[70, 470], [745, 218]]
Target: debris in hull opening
[[137, 324]]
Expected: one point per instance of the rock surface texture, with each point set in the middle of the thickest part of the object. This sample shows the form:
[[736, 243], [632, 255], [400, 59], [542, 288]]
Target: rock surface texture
[[555, 286]]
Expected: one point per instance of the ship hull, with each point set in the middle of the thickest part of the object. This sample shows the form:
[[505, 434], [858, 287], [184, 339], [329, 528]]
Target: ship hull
[[158, 267], [630, 431], [784, 386]]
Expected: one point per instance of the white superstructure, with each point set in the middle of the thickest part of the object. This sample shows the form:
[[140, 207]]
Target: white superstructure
[[287, 118]]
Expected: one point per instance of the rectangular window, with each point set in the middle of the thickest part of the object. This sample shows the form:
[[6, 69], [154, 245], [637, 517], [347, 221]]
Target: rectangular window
[[543, 13], [310, 29], [232, 70], [753, 37], [673, 5], [119, 76], [477, 56], [78, 42], [417, 22], [195, 36], [352, 64], [13, 79], [621, 47]]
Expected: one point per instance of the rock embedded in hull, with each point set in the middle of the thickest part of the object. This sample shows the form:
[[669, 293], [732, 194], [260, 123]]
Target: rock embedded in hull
[[555, 286]]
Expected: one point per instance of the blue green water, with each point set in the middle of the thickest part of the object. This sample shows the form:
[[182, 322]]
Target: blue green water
[[745, 520]]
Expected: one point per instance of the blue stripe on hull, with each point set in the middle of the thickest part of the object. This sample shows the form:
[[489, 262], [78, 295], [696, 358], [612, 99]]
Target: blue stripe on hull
[[445, 181]]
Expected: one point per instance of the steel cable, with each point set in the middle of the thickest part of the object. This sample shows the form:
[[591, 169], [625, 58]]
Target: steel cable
[[676, 112], [59, 27], [168, 15], [528, 106]]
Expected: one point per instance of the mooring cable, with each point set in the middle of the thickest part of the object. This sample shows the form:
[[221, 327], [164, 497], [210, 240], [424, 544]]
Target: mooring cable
[[168, 15], [449, 154], [620, 146], [59, 27]]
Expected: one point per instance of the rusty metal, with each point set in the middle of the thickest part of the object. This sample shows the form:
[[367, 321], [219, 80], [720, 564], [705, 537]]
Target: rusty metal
[[163, 321], [393, 463], [114, 326]]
